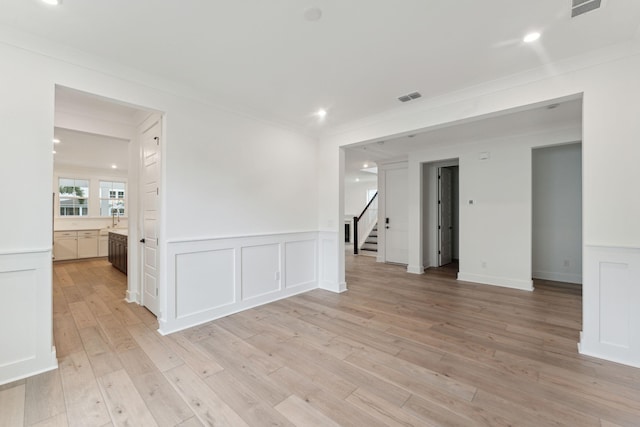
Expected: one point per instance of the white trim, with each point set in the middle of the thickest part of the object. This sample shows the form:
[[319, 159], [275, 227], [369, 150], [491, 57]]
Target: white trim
[[205, 276], [610, 298], [415, 269], [558, 277], [523, 285], [25, 281]]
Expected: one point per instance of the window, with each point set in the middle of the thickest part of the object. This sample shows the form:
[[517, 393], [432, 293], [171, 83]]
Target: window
[[74, 197], [112, 197]]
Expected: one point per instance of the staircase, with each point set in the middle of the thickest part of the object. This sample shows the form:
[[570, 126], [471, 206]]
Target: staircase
[[370, 246]]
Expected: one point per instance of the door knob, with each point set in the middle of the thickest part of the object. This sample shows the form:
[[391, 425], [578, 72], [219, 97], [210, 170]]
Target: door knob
[[142, 240]]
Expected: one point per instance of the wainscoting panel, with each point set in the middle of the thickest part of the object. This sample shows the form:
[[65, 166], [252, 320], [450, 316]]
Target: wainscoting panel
[[207, 280], [260, 270], [26, 335], [611, 297], [301, 257], [21, 287], [212, 278]]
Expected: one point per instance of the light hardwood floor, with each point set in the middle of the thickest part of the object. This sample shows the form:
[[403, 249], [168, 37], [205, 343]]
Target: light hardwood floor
[[396, 349]]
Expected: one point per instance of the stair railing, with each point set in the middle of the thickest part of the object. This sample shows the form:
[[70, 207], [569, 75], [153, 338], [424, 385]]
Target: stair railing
[[370, 218]]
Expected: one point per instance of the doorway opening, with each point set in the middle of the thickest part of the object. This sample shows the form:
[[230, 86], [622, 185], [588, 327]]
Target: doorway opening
[[557, 213], [100, 161], [441, 214]]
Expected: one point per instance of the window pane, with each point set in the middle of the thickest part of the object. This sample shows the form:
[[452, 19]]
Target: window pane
[[112, 195], [111, 207], [73, 187]]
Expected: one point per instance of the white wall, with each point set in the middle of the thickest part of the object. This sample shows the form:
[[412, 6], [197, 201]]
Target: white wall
[[495, 229], [224, 175], [557, 213], [355, 196], [611, 105]]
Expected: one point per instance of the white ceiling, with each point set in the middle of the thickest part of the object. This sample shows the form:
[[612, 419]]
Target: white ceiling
[[265, 58], [90, 151], [562, 115]]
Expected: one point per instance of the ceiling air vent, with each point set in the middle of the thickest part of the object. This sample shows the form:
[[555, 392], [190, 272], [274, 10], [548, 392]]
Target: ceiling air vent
[[409, 97], [579, 7]]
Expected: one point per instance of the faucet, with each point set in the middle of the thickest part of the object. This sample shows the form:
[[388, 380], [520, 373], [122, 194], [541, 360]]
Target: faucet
[[114, 212]]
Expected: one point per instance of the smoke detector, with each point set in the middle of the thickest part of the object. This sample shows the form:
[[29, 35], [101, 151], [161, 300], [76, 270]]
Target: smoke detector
[[580, 7]]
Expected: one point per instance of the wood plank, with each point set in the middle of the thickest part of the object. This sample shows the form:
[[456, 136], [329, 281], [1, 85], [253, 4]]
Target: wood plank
[[125, 405], [300, 413], [12, 402], [382, 409], [164, 403], [44, 398], [204, 402], [193, 355], [247, 400], [119, 338], [161, 355], [59, 420], [66, 337], [83, 399], [191, 422]]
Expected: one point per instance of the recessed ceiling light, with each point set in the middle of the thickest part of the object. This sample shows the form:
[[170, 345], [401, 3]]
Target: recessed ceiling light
[[357, 179], [56, 141], [322, 113], [313, 14], [114, 167], [52, 2], [366, 165], [54, 151], [531, 37]]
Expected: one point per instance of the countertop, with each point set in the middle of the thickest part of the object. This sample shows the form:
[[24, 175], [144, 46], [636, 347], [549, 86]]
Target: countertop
[[120, 231]]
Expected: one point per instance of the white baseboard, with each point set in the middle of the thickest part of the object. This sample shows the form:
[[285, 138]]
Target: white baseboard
[[558, 276], [132, 297], [415, 269], [524, 285]]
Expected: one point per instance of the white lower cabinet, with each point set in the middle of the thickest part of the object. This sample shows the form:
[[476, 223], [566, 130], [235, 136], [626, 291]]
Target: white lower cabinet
[[65, 245], [75, 244], [88, 244], [103, 246]]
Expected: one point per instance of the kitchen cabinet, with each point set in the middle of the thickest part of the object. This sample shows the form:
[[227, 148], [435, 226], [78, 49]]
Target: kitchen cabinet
[[65, 245], [103, 245], [118, 251], [88, 244], [75, 244]]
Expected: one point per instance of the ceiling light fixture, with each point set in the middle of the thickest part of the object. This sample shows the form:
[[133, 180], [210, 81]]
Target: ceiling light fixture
[[54, 151], [114, 167], [531, 37], [322, 113], [357, 179], [313, 14], [366, 165], [56, 141], [52, 2]]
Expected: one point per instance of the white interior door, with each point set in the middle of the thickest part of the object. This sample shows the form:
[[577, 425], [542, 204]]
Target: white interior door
[[396, 216], [445, 216], [150, 196]]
